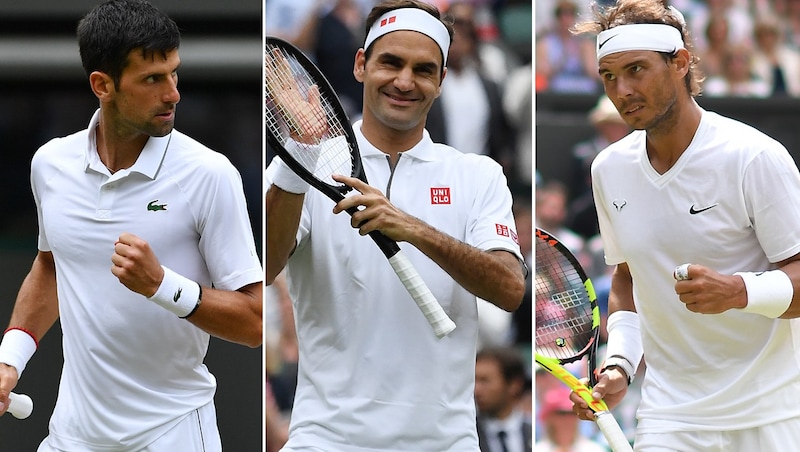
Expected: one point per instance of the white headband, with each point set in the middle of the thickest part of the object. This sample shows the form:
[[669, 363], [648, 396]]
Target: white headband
[[655, 37], [413, 19]]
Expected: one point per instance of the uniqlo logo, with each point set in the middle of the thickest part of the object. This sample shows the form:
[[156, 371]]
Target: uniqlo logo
[[388, 21], [502, 230], [440, 195]]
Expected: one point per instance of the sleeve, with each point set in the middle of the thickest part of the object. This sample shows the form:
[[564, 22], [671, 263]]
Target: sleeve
[[610, 249], [37, 184], [491, 222], [226, 236], [772, 187]]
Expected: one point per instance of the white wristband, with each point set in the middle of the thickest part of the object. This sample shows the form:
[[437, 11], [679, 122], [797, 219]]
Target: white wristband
[[624, 345], [284, 178], [177, 294], [768, 293], [17, 348]]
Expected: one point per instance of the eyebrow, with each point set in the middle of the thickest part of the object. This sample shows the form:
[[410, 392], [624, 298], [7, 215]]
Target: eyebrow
[[636, 62], [392, 58]]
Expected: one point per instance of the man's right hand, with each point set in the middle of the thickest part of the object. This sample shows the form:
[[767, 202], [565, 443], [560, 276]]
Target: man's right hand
[[8, 381], [611, 387]]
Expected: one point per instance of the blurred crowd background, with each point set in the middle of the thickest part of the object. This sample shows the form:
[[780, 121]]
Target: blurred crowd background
[[44, 93]]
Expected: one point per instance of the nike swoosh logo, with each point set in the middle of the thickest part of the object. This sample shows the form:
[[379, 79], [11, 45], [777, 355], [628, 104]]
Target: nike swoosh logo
[[694, 211], [604, 42], [177, 295]]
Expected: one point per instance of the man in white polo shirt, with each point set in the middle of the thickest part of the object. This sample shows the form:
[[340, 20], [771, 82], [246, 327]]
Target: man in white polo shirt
[[145, 250], [372, 374]]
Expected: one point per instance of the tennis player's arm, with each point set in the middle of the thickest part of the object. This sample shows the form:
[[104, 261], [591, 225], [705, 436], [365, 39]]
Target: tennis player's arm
[[791, 267], [36, 308], [232, 315], [283, 211], [620, 297], [496, 276]]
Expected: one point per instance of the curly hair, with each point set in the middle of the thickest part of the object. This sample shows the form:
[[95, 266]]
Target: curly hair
[[626, 12]]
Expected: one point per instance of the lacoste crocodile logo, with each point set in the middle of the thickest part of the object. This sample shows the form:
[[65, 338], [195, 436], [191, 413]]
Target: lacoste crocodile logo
[[177, 295], [694, 211], [153, 207]]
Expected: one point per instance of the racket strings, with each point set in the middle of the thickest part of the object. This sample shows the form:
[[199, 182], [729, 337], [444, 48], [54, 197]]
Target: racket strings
[[303, 118], [564, 324]]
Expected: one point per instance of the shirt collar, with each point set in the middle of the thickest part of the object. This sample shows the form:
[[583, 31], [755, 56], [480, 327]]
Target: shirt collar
[[147, 164], [423, 150]]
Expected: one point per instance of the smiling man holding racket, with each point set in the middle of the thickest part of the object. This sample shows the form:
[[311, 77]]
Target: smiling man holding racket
[[372, 374], [688, 185], [145, 251]]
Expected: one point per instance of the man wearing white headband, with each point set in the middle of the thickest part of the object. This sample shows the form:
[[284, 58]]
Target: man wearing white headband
[[699, 214], [372, 376]]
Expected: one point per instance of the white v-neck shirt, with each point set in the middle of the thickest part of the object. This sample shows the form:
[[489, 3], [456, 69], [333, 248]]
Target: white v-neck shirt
[[132, 369], [731, 202]]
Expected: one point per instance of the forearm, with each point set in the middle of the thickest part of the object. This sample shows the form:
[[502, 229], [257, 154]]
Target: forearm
[[36, 307], [495, 276], [235, 316], [283, 211]]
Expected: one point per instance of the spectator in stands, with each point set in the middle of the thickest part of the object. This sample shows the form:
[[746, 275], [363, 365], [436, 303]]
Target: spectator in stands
[[469, 115], [561, 425], [609, 127], [341, 36], [717, 43], [518, 105], [500, 381], [567, 62], [551, 214], [737, 78], [740, 23], [774, 61], [295, 21]]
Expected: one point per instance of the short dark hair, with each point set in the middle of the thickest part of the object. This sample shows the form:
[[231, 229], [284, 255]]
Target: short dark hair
[[508, 359], [110, 31], [390, 5]]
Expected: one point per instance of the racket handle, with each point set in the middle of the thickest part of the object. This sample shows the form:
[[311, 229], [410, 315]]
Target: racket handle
[[20, 406], [441, 323], [612, 432]]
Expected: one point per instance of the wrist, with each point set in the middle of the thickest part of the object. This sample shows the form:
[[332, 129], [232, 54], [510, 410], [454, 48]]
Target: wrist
[[17, 348], [624, 346], [177, 294], [769, 293], [621, 364]]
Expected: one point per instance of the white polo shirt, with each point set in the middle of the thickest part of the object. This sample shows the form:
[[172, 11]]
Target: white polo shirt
[[131, 368], [730, 203], [372, 375]]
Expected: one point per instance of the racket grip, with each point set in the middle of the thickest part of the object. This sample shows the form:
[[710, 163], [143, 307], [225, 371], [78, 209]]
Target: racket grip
[[20, 406], [441, 323], [612, 432]]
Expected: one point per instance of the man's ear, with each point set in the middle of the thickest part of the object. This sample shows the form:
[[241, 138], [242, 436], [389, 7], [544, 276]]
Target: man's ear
[[359, 65], [102, 85]]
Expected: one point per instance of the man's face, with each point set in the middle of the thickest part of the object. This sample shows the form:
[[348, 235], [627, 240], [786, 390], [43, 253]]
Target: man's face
[[401, 79], [492, 393], [145, 99], [643, 86]]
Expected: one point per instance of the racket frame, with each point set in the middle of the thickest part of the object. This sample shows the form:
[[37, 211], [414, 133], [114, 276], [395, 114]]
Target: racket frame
[[410, 278]]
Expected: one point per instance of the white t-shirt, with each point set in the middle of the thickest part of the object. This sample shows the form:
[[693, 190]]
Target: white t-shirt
[[705, 372], [372, 375], [132, 369]]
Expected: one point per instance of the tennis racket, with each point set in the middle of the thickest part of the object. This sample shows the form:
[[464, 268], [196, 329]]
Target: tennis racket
[[568, 327], [309, 129], [20, 406]]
